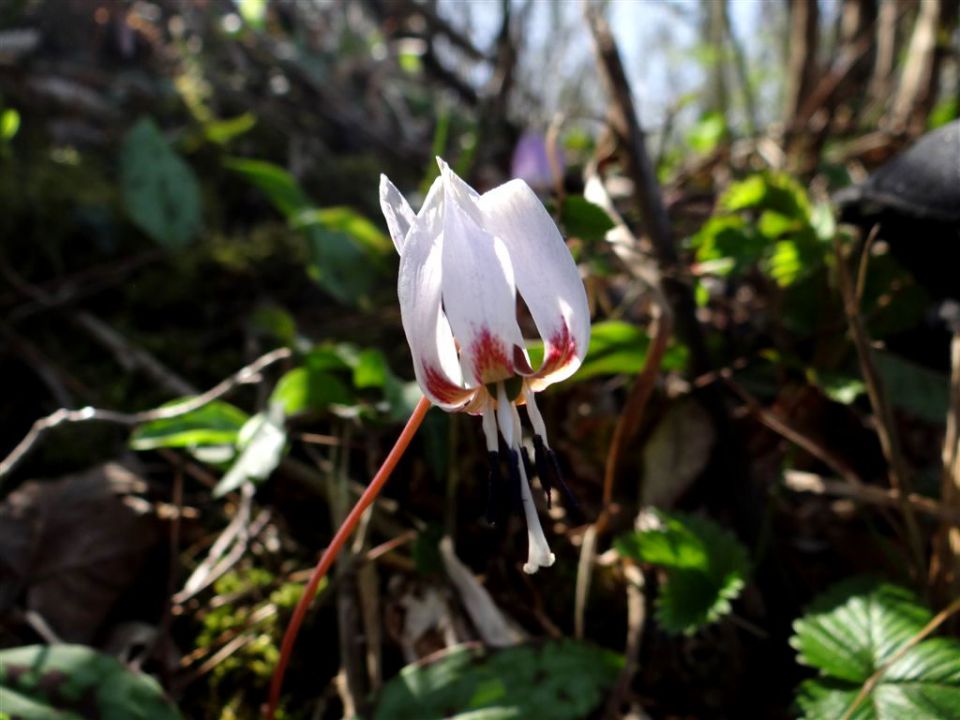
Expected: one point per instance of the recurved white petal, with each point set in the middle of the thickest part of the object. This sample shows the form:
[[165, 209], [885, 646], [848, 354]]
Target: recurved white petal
[[479, 296], [546, 277], [420, 292], [397, 212]]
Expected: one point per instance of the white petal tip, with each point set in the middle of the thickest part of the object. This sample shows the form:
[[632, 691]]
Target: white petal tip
[[531, 566]]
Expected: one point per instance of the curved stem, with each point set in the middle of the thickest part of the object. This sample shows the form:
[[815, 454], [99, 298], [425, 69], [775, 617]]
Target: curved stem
[[333, 549]]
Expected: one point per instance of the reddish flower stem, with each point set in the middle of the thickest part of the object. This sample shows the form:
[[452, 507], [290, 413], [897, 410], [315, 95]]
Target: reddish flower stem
[[336, 545]]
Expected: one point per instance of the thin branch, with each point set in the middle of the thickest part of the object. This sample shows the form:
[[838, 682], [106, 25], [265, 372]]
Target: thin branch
[[780, 426], [799, 481], [886, 429], [624, 122], [246, 375]]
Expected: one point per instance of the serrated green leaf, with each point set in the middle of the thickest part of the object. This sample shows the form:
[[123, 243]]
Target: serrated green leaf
[[854, 630], [705, 568], [856, 626], [559, 680], [160, 191], [72, 682], [216, 423]]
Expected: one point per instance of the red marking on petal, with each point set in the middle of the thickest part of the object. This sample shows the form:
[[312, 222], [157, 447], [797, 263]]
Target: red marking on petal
[[562, 350], [490, 360], [438, 386]]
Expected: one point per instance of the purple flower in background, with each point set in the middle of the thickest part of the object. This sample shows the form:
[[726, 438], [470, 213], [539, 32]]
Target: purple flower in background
[[531, 163]]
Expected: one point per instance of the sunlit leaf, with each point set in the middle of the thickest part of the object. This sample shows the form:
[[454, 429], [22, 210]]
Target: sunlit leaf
[[305, 389], [616, 347], [705, 568], [9, 124], [216, 423], [861, 626], [345, 220], [708, 132], [223, 131]]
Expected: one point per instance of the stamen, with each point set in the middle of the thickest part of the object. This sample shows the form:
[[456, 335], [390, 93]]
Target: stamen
[[495, 479], [548, 468], [538, 550], [538, 553], [508, 430]]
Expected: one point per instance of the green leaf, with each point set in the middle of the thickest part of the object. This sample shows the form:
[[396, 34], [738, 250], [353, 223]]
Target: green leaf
[[216, 423], [253, 12], [9, 124], [730, 238], [262, 441], [853, 631], [281, 188], [306, 389], [619, 347], [344, 248], [160, 191], [841, 388], [705, 568], [914, 388], [708, 132], [72, 682], [581, 218], [222, 132], [558, 680], [348, 221]]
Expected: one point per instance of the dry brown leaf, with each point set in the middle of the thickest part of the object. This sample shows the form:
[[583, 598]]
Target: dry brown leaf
[[69, 547]]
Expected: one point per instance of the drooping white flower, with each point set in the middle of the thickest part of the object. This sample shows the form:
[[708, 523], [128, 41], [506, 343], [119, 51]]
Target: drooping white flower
[[464, 257]]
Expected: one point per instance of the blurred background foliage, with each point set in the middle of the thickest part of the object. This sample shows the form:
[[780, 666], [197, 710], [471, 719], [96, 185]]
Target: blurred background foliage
[[189, 187]]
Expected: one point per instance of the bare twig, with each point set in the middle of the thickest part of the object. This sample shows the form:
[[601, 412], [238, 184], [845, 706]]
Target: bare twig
[[228, 549], [886, 428], [63, 416], [780, 426], [810, 482], [131, 357], [945, 564], [623, 120], [872, 681], [636, 617]]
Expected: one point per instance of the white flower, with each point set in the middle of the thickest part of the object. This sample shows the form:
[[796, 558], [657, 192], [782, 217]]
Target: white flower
[[463, 259]]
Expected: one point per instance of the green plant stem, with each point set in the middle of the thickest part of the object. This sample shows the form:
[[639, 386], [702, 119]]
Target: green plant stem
[[332, 551]]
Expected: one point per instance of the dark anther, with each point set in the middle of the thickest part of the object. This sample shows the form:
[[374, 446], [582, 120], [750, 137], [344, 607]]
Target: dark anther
[[494, 490], [550, 476], [515, 479]]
